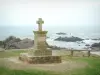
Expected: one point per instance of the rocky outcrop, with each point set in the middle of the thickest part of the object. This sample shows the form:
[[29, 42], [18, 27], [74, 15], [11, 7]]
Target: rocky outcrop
[[25, 43], [96, 45], [96, 39], [61, 33], [16, 43], [69, 39]]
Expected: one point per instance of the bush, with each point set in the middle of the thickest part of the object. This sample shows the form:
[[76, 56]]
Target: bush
[[1, 43]]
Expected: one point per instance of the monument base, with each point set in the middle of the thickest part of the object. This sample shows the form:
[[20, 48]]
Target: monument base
[[42, 52], [39, 59]]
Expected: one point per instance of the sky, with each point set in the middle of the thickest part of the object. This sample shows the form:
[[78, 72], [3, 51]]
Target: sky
[[55, 13]]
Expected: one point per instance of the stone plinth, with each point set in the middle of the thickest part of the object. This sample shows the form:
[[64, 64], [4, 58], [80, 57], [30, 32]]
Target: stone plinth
[[43, 53], [39, 59], [40, 46]]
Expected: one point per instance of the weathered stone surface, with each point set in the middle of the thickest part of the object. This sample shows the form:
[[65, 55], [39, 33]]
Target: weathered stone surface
[[40, 22], [39, 59], [40, 40], [40, 45], [42, 52]]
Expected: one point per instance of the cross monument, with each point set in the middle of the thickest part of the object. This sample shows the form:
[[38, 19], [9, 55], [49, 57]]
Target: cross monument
[[40, 54], [40, 22]]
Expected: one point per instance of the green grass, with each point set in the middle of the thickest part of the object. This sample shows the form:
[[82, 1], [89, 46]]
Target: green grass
[[93, 67], [11, 53], [6, 71]]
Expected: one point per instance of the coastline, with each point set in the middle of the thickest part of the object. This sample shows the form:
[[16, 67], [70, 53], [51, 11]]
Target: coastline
[[80, 45]]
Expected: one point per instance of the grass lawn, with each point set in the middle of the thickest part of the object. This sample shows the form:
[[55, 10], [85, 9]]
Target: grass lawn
[[10, 53], [93, 67], [6, 71]]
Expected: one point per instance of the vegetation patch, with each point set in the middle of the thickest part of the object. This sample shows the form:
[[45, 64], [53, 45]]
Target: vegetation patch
[[93, 67]]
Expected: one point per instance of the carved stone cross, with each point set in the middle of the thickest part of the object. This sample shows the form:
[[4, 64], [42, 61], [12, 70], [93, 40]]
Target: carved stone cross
[[40, 22]]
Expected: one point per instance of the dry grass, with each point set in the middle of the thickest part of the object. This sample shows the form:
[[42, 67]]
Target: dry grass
[[14, 63]]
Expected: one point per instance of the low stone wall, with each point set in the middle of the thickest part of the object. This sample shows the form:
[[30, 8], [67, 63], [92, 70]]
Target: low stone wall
[[40, 59]]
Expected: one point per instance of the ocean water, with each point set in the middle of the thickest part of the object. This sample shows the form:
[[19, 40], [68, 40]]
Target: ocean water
[[22, 32], [27, 32], [72, 45]]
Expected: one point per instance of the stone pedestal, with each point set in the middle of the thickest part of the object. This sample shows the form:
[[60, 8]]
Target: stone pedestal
[[40, 44]]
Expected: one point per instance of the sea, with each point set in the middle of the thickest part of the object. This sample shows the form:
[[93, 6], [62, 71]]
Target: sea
[[27, 32]]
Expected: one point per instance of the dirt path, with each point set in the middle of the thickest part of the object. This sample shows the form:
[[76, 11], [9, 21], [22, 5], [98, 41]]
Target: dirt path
[[14, 63]]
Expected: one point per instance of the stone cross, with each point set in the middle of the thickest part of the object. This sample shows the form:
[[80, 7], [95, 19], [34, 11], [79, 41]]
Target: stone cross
[[40, 22]]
